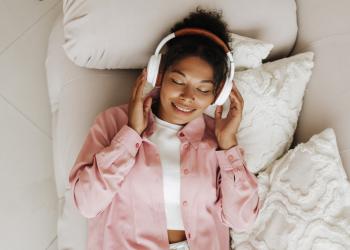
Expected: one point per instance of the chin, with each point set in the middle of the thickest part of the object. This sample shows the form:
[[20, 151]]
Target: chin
[[181, 120]]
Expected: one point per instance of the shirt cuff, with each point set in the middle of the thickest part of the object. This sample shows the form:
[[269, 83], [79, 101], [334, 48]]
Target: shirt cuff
[[232, 158], [129, 138]]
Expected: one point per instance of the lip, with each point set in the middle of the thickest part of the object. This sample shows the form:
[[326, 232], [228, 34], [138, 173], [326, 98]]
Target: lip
[[180, 111]]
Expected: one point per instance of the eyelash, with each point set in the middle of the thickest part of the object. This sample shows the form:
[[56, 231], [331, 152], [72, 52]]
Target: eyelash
[[204, 92], [176, 82]]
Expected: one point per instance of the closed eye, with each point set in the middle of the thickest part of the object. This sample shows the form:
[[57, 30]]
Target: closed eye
[[180, 83], [200, 90], [204, 91]]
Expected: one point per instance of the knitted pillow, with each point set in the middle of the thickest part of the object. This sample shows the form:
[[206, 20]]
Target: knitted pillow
[[273, 97], [305, 199]]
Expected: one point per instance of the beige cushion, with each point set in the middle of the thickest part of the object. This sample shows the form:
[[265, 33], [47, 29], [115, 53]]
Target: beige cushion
[[111, 34], [87, 92], [77, 95], [320, 19], [306, 200], [325, 30]]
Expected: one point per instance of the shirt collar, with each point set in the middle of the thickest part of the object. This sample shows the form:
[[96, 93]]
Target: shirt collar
[[192, 132]]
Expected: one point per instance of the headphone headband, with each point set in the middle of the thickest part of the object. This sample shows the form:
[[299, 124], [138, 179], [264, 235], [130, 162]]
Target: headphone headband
[[193, 31], [202, 32]]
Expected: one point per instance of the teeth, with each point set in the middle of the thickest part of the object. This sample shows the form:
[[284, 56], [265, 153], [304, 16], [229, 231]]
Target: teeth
[[183, 109]]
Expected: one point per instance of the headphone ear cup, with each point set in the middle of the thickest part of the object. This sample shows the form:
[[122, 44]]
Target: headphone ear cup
[[153, 68], [227, 87], [224, 93]]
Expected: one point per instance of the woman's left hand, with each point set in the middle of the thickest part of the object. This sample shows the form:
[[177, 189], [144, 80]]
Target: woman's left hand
[[226, 128]]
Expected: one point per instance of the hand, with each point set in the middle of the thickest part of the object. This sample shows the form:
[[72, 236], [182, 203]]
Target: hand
[[138, 107], [226, 128]]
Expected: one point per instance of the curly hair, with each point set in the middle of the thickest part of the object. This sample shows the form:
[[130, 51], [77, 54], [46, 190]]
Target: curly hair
[[197, 45]]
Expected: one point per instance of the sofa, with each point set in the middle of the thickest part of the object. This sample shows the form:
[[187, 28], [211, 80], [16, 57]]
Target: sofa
[[78, 93]]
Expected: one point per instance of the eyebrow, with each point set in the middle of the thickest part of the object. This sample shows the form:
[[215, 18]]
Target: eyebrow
[[183, 74]]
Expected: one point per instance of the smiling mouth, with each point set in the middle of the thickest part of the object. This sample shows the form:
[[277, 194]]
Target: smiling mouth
[[183, 109]]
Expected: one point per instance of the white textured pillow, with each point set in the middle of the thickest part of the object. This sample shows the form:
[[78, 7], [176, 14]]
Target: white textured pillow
[[248, 52], [109, 34], [305, 200], [273, 97]]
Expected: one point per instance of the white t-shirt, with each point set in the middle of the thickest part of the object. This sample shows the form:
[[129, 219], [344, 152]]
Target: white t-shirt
[[169, 150]]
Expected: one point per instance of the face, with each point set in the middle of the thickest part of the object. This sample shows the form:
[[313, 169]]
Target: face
[[187, 90]]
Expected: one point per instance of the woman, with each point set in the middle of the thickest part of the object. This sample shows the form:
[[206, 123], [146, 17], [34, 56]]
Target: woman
[[157, 173]]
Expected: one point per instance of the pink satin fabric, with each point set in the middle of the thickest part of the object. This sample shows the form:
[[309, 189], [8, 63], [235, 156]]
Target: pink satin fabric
[[117, 184]]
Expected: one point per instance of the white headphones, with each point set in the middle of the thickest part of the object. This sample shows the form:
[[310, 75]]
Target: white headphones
[[155, 61]]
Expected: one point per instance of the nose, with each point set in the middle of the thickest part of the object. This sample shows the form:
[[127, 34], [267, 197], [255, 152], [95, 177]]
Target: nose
[[187, 93]]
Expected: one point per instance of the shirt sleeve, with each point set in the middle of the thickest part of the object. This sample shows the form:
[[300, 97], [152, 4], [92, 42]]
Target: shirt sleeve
[[102, 164], [238, 200]]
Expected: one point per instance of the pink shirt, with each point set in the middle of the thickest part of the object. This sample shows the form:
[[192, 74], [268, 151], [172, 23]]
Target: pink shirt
[[117, 184]]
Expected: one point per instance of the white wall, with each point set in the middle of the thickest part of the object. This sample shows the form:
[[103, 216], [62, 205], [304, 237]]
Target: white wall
[[28, 204]]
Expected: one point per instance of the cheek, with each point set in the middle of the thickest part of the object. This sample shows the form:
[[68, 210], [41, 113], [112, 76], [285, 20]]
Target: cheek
[[204, 102], [166, 95], [168, 92]]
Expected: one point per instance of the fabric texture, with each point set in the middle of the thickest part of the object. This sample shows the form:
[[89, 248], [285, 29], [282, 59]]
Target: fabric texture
[[116, 183], [179, 246], [273, 98], [102, 34], [248, 52], [306, 200], [326, 32]]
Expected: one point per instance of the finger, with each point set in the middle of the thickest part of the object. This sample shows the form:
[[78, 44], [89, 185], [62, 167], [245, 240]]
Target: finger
[[232, 93], [218, 112], [238, 93], [232, 105], [235, 91], [137, 83], [140, 87], [235, 96], [235, 103], [147, 104]]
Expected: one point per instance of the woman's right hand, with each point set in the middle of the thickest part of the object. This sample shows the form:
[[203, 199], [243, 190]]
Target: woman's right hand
[[138, 107]]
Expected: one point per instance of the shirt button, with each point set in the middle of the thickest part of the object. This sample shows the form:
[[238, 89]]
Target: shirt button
[[186, 171], [230, 158], [189, 235], [184, 203], [137, 145]]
